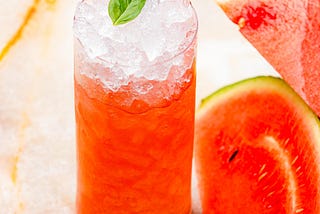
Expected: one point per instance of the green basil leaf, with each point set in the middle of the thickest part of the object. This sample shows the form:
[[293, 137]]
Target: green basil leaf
[[123, 11]]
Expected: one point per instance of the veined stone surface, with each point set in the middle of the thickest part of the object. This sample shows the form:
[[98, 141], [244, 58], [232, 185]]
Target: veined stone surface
[[37, 152]]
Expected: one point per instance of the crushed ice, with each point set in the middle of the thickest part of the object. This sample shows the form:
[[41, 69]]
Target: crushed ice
[[140, 48]]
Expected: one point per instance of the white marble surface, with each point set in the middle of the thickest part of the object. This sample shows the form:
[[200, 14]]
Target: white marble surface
[[37, 147]]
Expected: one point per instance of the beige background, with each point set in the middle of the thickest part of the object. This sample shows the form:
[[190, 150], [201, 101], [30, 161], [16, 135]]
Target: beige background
[[37, 147]]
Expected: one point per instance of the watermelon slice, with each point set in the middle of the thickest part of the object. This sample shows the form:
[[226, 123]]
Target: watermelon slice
[[287, 34], [257, 150]]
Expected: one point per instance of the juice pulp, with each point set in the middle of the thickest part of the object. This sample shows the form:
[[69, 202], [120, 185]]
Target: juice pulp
[[131, 161]]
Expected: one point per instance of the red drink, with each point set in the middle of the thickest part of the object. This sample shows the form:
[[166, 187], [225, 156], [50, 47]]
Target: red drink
[[135, 143], [134, 162]]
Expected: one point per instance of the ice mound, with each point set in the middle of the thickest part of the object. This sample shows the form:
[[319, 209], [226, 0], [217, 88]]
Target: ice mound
[[140, 48]]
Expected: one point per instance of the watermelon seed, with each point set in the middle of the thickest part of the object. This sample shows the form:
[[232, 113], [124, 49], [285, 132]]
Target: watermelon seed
[[234, 154], [262, 176], [262, 168], [242, 22], [299, 210], [270, 194], [294, 160]]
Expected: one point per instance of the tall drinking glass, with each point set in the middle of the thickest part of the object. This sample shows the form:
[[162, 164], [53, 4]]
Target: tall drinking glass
[[135, 103]]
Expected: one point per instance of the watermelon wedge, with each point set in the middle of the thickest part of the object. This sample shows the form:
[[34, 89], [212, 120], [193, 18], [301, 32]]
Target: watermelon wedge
[[257, 150], [287, 34]]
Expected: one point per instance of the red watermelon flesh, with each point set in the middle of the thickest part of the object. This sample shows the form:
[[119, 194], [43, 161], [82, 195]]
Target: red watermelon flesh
[[287, 34], [257, 150]]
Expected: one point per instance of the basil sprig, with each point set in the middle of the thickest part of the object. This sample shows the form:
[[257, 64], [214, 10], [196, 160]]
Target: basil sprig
[[123, 11]]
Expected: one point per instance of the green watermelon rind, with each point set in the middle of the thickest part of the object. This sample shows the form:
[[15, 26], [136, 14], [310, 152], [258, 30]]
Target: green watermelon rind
[[261, 83]]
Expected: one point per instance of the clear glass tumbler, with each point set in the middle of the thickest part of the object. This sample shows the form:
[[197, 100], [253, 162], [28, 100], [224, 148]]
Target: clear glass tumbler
[[135, 109]]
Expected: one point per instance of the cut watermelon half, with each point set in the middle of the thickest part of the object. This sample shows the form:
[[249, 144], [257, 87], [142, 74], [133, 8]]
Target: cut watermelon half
[[257, 150], [287, 34]]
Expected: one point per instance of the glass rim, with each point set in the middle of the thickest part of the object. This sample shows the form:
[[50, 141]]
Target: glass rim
[[166, 60]]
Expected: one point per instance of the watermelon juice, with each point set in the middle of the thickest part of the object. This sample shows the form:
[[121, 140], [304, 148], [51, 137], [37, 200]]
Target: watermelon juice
[[135, 119]]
